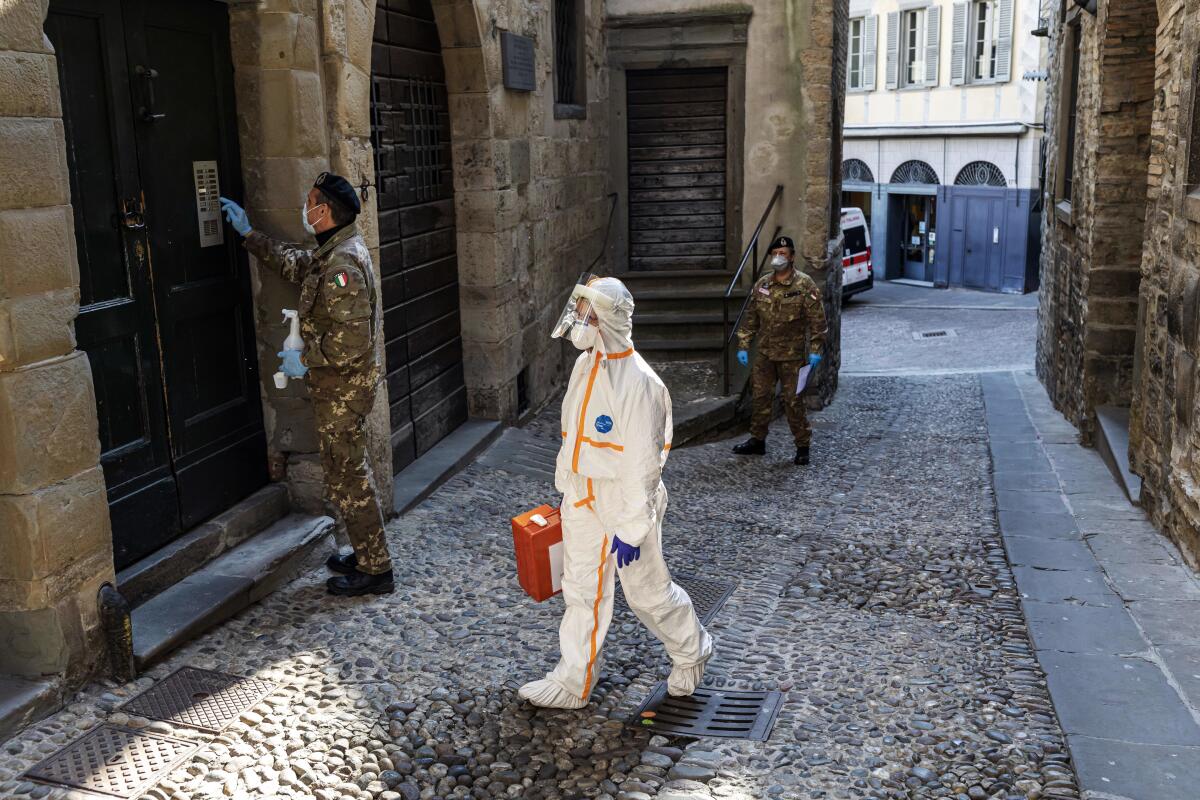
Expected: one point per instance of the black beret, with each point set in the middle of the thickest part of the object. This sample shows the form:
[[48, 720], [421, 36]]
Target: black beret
[[339, 190], [784, 241]]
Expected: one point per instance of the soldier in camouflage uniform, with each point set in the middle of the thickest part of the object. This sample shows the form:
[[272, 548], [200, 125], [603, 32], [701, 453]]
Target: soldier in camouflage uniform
[[339, 327], [786, 314]]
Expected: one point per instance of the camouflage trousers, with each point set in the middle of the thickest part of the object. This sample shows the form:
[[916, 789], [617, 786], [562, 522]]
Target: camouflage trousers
[[350, 482], [763, 376]]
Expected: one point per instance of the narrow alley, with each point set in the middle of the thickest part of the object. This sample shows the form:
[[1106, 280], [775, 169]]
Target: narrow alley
[[872, 590]]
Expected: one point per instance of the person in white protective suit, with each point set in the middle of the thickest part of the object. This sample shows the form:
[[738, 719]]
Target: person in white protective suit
[[616, 429]]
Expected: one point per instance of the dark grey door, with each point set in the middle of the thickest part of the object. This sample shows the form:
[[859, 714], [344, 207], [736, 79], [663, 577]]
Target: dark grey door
[[676, 152], [918, 241], [165, 309], [418, 249], [982, 262]]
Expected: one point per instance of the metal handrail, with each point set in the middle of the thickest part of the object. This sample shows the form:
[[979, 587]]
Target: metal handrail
[[750, 252]]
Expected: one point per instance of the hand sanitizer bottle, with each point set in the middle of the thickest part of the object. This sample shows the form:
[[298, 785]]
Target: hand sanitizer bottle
[[293, 342]]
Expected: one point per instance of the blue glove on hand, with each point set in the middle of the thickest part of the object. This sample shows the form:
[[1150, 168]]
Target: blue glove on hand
[[236, 216], [626, 555], [813, 360], [743, 358], [291, 364]]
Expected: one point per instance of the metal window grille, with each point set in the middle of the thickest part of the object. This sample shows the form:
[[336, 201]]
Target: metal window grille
[[855, 170], [980, 173], [566, 52], [424, 139], [914, 172]]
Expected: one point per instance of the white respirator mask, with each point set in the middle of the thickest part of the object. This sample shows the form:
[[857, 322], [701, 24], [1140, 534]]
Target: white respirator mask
[[779, 262], [304, 219], [583, 335]]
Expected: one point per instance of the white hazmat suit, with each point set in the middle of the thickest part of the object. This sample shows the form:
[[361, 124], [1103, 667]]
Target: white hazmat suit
[[616, 429]]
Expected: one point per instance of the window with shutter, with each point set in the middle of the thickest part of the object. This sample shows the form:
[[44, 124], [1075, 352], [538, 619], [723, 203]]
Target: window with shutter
[[1070, 107], [958, 44], [933, 41], [1004, 34], [854, 55], [892, 78], [869, 48], [912, 48]]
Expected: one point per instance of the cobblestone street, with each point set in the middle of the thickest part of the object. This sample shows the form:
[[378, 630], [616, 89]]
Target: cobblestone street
[[871, 588]]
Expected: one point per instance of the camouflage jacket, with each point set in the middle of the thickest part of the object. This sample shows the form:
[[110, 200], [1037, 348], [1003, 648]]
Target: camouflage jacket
[[787, 316], [337, 312]]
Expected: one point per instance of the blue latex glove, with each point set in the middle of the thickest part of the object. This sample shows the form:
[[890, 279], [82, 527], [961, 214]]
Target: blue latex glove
[[291, 364], [236, 216], [813, 360], [743, 358], [626, 555]]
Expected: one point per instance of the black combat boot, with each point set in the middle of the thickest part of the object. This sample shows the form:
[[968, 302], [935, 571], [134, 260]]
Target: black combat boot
[[342, 564], [801, 457], [751, 447], [358, 583]]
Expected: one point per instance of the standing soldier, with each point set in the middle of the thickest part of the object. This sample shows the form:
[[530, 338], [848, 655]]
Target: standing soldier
[[339, 327], [786, 311]]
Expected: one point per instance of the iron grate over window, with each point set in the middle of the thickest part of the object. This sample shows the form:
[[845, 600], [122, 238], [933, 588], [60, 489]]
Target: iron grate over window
[[706, 712], [980, 173], [566, 52], [855, 170]]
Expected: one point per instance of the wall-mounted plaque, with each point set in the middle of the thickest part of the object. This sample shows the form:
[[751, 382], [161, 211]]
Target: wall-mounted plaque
[[517, 54]]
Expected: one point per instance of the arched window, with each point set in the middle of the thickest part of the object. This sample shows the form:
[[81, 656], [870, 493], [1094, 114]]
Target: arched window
[[980, 173], [856, 171], [914, 172]]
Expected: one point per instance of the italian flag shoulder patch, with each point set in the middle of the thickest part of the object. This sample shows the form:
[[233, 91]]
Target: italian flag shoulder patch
[[341, 279]]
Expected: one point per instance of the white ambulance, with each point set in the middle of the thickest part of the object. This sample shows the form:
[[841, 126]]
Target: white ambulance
[[858, 274]]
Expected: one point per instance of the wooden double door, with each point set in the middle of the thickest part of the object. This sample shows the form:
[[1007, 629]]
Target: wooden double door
[[165, 316], [417, 235]]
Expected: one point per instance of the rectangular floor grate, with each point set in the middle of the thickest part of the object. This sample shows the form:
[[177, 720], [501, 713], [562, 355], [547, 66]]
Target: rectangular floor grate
[[199, 698], [707, 596], [113, 762], [948, 333], [729, 715]]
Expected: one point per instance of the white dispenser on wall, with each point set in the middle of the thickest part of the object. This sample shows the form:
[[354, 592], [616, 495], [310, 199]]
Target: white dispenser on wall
[[293, 342]]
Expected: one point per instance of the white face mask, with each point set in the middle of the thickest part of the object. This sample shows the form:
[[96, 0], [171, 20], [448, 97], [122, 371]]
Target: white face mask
[[304, 218], [779, 262], [584, 336]]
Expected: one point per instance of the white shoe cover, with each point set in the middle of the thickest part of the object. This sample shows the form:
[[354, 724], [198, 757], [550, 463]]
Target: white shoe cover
[[684, 680], [549, 694]]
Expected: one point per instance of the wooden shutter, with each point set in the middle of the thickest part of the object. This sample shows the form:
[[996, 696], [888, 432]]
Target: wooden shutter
[[870, 23], [933, 41], [892, 79], [958, 45], [1004, 23], [676, 168]]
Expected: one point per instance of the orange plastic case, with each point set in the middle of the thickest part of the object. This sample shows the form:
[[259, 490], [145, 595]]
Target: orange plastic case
[[539, 553]]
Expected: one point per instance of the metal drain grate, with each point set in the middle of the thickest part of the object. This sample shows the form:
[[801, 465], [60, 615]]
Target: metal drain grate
[[729, 715], [948, 333], [707, 596], [199, 698], [113, 761]]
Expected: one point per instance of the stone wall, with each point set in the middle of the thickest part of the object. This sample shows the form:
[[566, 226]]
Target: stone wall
[[55, 542], [1163, 432], [1092, 241]]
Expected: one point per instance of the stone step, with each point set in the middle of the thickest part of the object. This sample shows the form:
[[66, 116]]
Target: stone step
[[225, 586], [645, 280], [170, 565], [420, 478], [24, 702], [1112, 440]]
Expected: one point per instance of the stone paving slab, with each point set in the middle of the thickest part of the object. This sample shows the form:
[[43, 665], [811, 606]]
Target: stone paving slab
[[1035, 502], [1126, 697], [1070, 628], [1124, 673], [1119, 769], [1045, 526], [1026, 482], [1033, 551]]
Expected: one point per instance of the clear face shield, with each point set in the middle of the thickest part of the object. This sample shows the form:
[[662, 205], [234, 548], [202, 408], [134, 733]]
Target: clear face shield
[[579, 311]]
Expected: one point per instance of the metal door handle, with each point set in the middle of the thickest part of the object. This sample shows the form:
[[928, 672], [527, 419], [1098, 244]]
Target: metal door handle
[[147, 113], [133, 214]]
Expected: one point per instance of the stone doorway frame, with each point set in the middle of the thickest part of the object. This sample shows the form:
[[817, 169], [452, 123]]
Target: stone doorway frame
[[302, 88]]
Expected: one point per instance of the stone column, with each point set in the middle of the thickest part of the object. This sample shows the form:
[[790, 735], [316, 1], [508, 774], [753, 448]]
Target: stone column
[[56, 542]]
